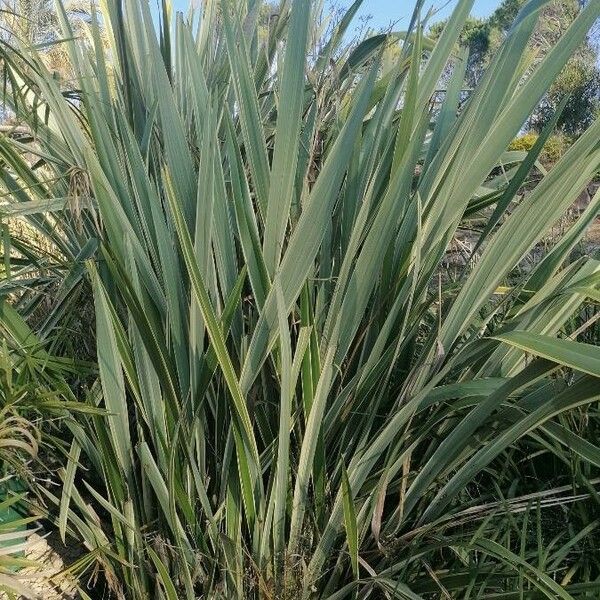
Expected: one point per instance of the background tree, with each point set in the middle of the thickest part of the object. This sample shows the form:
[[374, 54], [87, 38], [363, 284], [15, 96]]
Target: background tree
[[580, 79]]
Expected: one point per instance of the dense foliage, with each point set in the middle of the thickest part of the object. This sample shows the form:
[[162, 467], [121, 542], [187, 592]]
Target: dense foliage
[[579, 79], [230, 278]]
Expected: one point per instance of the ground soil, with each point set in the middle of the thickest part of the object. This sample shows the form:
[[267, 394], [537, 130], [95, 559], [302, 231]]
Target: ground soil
[[48, 580]]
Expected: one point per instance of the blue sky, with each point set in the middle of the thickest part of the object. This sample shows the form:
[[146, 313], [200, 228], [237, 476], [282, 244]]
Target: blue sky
[[383, 12]]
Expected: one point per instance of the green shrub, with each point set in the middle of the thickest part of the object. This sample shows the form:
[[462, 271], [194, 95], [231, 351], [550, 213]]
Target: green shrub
[[524, 142], [292, 398], [556, 145]]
